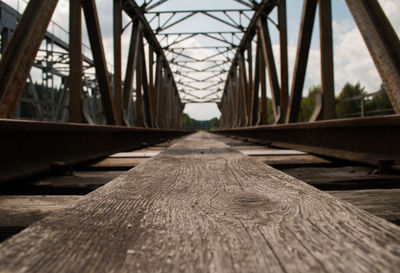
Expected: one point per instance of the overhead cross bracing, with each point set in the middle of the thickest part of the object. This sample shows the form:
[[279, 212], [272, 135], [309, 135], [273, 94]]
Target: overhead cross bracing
[[200, 60]]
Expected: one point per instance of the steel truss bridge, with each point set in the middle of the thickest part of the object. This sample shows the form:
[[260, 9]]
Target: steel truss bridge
[[161, 74], [83, 108]]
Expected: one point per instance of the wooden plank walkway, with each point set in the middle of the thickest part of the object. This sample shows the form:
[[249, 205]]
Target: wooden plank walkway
[[201, 206]]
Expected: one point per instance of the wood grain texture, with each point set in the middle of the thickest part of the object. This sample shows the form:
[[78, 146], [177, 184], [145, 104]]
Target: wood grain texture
[[23, 210], [78, 183], [344, 178], [293, 161], [18, 212], [382, 203], [201, 206], [280, 161], [270, 152], [110, 163], [136, 153]]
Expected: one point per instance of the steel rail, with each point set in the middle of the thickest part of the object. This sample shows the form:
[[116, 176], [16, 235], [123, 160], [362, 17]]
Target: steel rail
[[32, 147], [368, 140]]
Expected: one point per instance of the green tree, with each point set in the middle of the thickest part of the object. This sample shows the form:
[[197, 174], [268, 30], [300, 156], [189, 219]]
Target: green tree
[[270, 113], [191, 124], [187, 122], [351, 107], [214, 123], [379, 104], [308, 104]]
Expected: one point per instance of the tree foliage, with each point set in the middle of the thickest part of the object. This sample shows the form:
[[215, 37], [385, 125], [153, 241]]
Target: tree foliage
[[379, 104], [308, 104], [351, 107], [191, 124]]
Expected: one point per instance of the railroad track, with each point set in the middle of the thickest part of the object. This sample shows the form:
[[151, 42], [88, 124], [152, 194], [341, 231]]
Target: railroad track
[[65, 191]]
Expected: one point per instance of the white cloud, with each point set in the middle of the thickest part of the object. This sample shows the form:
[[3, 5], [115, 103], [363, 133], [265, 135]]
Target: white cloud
[[392, 10], [202, 111], [352, 60]]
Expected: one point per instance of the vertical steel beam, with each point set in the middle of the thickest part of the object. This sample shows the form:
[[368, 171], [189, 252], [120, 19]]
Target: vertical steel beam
[[249, 91], [20, 52], [161, 102], [139, 101], [233, 99], [146, 93], [169, 102], [263, 81], [75, 65], [152, 96], [241, 98], [222, 108], [231, 105], [282, 23], [131, 65], [166, 98], [303, 48], [117, 25], [237, 97], [157, 92], [96, 44], [226, 114], [382, 43], [256, 86], [161, 95], [244, 91], [326, 43], [266, 46]]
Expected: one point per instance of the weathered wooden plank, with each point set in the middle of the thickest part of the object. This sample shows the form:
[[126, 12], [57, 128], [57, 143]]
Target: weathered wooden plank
[[136, 153], [78, 183], [232, 141], [159, 148], [115, 163], [344, 178], [18, 212], [284, 160], [201, 206], [270, 152], [382, 203], [165, 144], [251, 146], [23, 210], [290, 161]]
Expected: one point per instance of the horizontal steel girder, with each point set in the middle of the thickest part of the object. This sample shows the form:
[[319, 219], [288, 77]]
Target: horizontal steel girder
[[32, 147], [371, 140]]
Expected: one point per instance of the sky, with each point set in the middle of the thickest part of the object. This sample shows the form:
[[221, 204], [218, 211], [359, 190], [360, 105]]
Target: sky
[[352, 62]]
